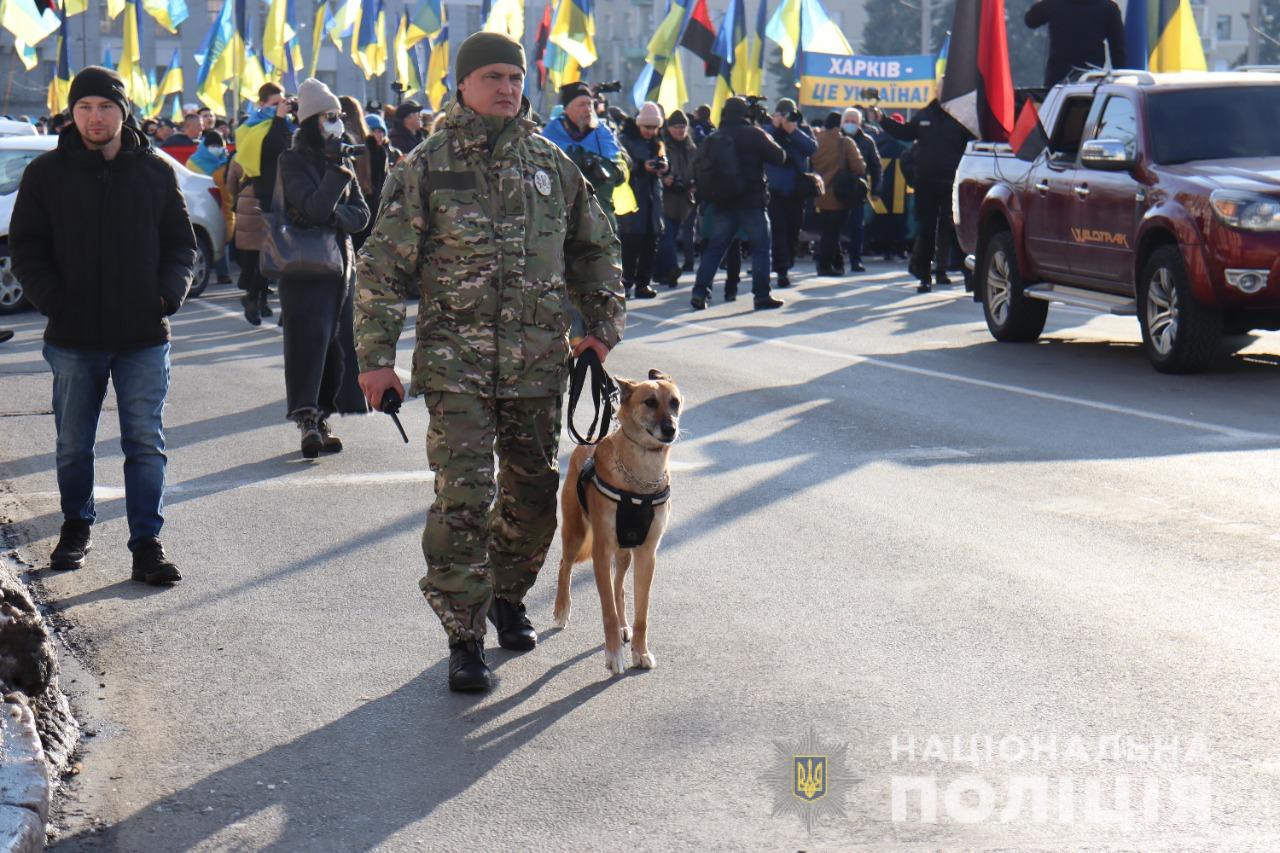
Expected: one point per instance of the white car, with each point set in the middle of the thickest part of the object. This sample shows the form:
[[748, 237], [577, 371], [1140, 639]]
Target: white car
[[202, 203], [12, 127]]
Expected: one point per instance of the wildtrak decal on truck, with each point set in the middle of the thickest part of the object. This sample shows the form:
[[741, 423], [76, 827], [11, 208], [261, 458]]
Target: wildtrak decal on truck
[[1105, 238]]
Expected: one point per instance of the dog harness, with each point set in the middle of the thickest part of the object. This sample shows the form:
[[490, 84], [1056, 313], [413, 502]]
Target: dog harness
[[635, 512]]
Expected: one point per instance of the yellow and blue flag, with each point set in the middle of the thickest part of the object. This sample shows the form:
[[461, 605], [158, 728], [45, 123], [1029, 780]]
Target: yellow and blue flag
[[168, 13], [573, 30], [60, 85], [506, 16], [733, 47], [28, 24], [217, 58], [408, 70], [369, 50], [131, 68], [1161, 35], [437, 82]]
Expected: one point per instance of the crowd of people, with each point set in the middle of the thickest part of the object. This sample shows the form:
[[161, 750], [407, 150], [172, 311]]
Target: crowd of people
[[524, 239]]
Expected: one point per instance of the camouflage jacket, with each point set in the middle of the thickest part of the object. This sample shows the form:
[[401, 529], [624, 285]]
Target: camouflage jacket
[[501, 245]]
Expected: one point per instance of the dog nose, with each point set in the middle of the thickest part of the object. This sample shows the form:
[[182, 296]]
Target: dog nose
[[668, 430]]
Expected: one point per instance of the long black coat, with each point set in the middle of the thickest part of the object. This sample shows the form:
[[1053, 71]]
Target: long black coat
[[645, 184], [940, 143], [103, 248]]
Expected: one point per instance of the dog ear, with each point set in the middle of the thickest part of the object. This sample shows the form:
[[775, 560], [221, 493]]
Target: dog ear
[[657, 375], [625, 387]]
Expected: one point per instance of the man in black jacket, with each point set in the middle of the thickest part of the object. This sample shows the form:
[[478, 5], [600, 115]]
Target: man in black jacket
[[102, 243], [851, 126], [940, 142], [753, 148], [1079, 33]]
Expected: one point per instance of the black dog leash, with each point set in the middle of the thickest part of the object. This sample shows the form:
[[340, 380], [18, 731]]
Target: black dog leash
[[604, 393]]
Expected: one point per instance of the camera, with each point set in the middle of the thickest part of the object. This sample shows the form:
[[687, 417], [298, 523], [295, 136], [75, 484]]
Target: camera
[[349, 150], [659, 163], [592, 166], [870, 94], [796, 117], [757, 112], [612, 86]]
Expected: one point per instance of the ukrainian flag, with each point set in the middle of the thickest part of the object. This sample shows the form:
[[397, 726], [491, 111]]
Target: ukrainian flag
[[733, 47], [28, 24], [506, 16], [426, 22], [60, 85], [168, 13], [573, 30], [1161, 35], [369, 51], [437, 82], [217, 58], [407, 71]]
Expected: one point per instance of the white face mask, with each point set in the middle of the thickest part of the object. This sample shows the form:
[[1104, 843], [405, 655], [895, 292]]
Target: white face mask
[[850, 128], [332, 128], [215, 150]]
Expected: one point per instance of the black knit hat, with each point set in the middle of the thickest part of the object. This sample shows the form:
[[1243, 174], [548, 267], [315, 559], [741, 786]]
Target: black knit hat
[[481, 49], [96, 81], [832, 121], [678, 118], [570, 91]]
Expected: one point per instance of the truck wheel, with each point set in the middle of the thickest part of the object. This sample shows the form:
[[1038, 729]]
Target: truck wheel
[[1179, 334], [1011, 316]]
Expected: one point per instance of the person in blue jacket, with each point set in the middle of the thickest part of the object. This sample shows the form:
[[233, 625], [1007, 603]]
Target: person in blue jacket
[[786, 199], [590, 144]]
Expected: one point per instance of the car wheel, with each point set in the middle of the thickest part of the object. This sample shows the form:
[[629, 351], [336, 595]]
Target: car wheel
[[12, 298], [204, 264], [1179, 334], [1011, 316]]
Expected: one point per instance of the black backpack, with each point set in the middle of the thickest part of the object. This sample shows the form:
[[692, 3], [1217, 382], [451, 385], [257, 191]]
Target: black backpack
[[718, 173]]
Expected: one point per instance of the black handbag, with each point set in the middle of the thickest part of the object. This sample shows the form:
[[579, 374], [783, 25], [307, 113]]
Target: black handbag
[[290, 249]]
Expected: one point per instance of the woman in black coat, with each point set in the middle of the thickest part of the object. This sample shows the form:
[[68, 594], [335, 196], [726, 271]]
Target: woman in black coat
[[320, 190], [639, 231]]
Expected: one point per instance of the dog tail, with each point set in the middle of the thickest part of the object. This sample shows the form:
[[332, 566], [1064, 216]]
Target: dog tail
[[584, 550]]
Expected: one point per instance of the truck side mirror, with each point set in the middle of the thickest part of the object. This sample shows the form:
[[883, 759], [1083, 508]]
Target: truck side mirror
[[1107, 155]]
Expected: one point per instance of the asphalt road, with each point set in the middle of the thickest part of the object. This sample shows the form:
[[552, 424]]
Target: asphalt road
[[1039, 582]]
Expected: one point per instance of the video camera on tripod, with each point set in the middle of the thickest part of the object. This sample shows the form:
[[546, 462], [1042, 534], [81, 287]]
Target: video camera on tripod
[[757, 111]]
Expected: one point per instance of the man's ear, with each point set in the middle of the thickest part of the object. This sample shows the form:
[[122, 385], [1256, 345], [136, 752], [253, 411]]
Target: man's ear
[[657, 375], [625, 388]]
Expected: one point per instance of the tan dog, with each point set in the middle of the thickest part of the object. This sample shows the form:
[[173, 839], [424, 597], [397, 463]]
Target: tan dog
[[631, 459]]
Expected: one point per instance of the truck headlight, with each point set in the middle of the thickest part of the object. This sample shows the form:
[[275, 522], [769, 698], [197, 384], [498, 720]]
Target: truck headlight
[[1246, 211]]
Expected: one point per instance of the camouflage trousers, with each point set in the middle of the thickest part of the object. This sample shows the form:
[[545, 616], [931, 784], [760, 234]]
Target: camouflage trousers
[[485, 537]]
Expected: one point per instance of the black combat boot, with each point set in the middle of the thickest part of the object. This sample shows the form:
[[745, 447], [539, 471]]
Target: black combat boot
[[252, 311], [515, 633], [73, 545], [332, 444], [312, 439], [467, 670], [150, 565]]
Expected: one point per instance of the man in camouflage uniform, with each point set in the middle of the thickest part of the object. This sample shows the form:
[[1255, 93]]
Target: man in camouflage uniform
[[499, 231]]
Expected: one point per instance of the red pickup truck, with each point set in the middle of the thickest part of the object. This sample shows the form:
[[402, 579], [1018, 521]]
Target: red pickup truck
[[1158, 195]]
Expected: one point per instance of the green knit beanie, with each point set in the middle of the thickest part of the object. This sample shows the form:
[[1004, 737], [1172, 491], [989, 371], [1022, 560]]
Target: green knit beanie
[[481, 49]]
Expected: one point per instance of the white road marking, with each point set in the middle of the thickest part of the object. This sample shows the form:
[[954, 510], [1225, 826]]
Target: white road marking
[[1097, 405]]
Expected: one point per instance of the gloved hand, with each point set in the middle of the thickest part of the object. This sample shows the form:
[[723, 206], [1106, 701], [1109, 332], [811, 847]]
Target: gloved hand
[[333, 150]]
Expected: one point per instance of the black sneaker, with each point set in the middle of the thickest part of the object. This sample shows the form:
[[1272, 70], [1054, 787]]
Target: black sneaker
[[924, 287], [644, 291], [150, 565], [5, 334], [697, 303], [783, 280], [515, 633], [857, 266], [941, 278], [468, 673], [768, 302], [74, 543]]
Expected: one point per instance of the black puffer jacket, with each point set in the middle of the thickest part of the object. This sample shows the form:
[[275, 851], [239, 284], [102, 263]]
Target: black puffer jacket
[[103, 248]]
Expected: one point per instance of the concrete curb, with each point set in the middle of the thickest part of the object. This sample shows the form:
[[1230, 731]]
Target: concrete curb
[[24, 781]]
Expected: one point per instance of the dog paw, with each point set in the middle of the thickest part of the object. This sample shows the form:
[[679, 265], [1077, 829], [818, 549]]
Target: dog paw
[[615, 662], [561, 620], [626, 633], [643, 660]]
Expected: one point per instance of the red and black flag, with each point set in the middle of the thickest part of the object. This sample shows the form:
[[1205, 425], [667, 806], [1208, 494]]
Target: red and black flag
[[977, 88], [1028, 138], [540, 46], [700, 37]]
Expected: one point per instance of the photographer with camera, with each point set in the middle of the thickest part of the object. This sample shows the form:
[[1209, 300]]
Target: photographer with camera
[[786, 193], [639, 229], [677, 199], [589, 143], [320, 191]]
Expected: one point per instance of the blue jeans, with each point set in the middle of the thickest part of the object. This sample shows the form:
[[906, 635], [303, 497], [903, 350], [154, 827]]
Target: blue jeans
[[755, 222], [668, 259], [141, 380]]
